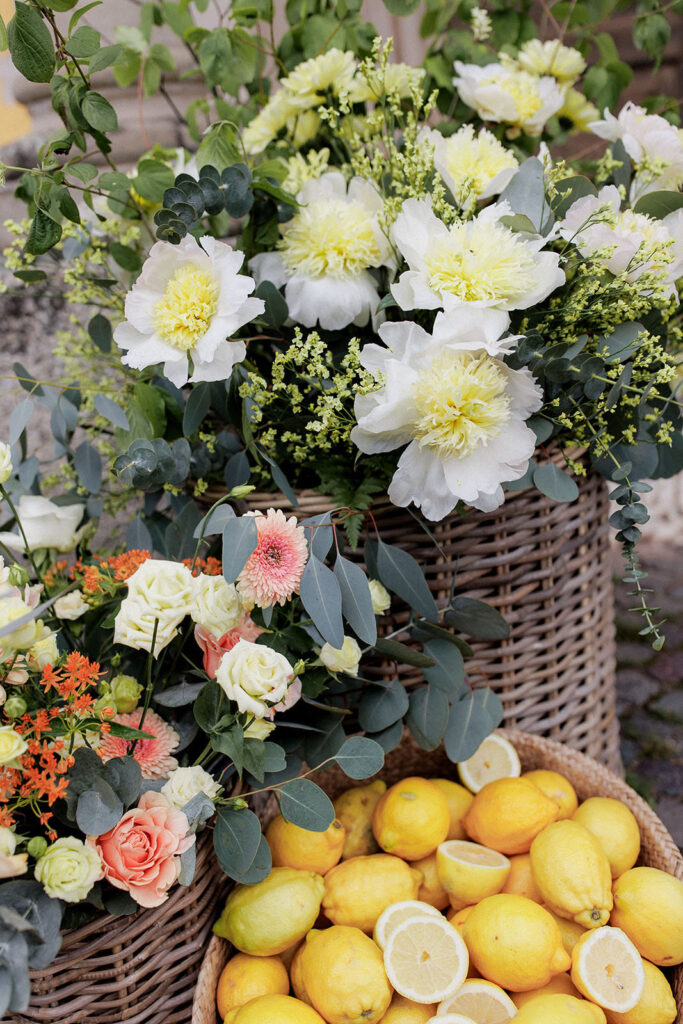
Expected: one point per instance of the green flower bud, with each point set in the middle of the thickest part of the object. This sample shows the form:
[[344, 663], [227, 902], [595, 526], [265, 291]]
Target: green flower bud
[[18, 576], [125, 691], [102, 703], [242, 490], [15, 707], [37, 847]]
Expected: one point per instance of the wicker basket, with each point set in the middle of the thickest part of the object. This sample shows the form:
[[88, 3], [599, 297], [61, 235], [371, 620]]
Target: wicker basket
[[545, 567], [587, 777], [139, 969]]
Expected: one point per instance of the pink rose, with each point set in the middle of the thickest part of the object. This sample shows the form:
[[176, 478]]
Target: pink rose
[[213, 648], [142, 853]]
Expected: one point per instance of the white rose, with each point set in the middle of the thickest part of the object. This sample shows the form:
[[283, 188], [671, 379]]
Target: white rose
[[254, 676], [381, 598], [135, 621], [45, 651], [71, 606], [5, 462], [258, 729], [45, 524], [68, 869], [185, 783], [342, 659], [164, 586], [216, 604], [8, 842], [23, 637], [12, 745], [3, 695]]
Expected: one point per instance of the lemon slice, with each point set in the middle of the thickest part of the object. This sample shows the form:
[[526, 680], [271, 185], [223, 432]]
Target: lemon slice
[[469, 872], [426, 959], [608, 969], [451, 1018], [483, 1001], [496, 758], [397, 912]]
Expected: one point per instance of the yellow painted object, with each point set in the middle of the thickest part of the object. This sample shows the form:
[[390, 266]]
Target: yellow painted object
[[15, 120]]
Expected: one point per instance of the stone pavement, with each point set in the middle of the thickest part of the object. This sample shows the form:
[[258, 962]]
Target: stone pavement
[[650, 687]]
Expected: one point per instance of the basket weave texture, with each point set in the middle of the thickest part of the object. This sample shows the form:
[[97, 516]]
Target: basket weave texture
[[140, 969], [588, 778], [545, 566]]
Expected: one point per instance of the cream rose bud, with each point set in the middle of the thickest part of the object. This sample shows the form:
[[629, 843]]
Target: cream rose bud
[[71, 606], [12, 745], [125, 692], [68, 869], [45, 524], [185, 783], [381, 598], [216, 604], [8, 842], [13, 608], [5, 462], [258, 729], [254, 676], [165, 586], [44, 651], [342, 659], [135, 622]]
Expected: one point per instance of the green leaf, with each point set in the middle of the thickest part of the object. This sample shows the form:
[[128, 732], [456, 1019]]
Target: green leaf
[[215, 53], [99, 112], [126, 257], [448, 671], [427, 717], [401, 653], [469, 723], [276, 311], [576, 188], [153, 178], [402, 7], [98, 808], [321, 597], [30, 44], [4, 41], [88, 466], [477, 618], [218, 147], [526, 193], [99, 330], [402, 574], [240, 538], [84, 42], [304, 804], [43, 234], [127, 68], [659, 204], [381, 705], [236, 840], [389, 738], [196, 408], [651, 32], [554, 483], [356, 599], [360, 757], [104, 58]]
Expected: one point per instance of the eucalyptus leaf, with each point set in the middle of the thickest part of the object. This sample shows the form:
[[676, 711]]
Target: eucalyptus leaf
[[236, 839], [356, 599], [98, 809], [304, 804], [382, 705], [448, 671], [111, 410], [401, 573], [469, 723], [240, 538], [390, 737], [428, 715], [360, 757], [402, 654], [477, 618], [555, 483], [321, 597], [215, 521], [179, 695]]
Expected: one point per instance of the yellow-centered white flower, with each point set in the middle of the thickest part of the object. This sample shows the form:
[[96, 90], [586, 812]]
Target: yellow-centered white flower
[[327, 252], [551, 57], [480, 262], [186, 303], [509, 95], [474, 165], [5, 462], [654, 145], [461, 411]]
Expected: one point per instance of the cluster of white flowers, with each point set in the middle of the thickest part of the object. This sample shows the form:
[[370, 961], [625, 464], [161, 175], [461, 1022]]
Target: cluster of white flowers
[[654, 145]]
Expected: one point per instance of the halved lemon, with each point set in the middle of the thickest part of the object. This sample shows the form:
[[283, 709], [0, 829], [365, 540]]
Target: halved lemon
[[398, 912], [608, 969], [495, 758], [483, 1001], [469, 872], [451, 1018], [426, 959]]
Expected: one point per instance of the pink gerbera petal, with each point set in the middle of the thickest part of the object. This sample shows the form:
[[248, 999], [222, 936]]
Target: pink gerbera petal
[[273, 572], [153, 755]]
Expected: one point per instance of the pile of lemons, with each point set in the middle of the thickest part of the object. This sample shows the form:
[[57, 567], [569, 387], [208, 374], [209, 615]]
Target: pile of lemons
[[480, 903]]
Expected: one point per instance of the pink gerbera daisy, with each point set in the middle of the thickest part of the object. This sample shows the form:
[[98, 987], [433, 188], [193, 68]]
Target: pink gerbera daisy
[[273, 572], [153, 755]]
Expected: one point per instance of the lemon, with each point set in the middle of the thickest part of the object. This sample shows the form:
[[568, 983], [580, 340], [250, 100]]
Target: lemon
[[521, 879], [431, 890], [508, 814], [458, 917], [561, 984], [614, 827], [296, 976], [344, 976], [295, 847], [648, 906], [608, 969], [411, 819], [469, 871], [572, 871], [495, 758], [559, 1009], [451, 1018], [358, 890], [555, 786], [266, 918], [354, 809], [405, 1011], [425, 959], [397, 913], [459, 800], [570, 931], [245, 977], [287, 955], [275, 1010], [483, 1001], [514, 942], [655, 1006]]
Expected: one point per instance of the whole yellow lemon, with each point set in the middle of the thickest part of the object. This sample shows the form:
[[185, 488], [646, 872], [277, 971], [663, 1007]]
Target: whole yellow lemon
[[431, 890], [343, 974], [411, 819], [570, 931], [266, 918], [459, 800], [508, 814], [405, 1011], [648, 906], [297, 977], [656, 1005], [295, 847], [614, 827], [358, 890], [573, 874], [245, 977], [276, 1010], [559, 1009], [521, 878], [354, 809], [561, 984], [514, 942], [557, 788]]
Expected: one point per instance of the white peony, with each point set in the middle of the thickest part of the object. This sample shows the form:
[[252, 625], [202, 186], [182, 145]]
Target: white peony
[[164, 585], [5, 462], [216, 604], [185, 783], [327, 252], [71, 606], [342, 659], [459, 409], [473, 165], [45, 524], [255, 677], [549, 57], [508, 95], [626, 242], [185, 304], [479, 262], [654, 145]]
